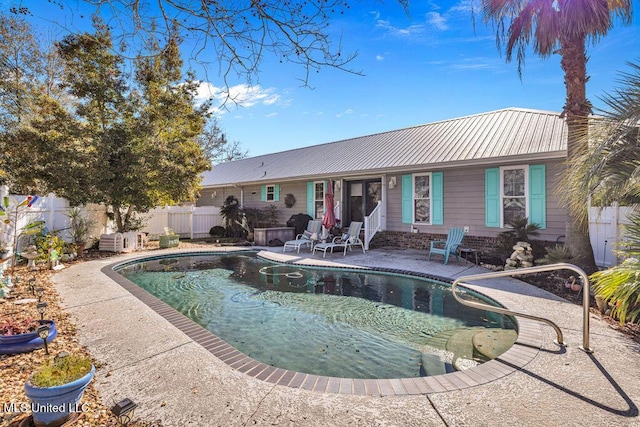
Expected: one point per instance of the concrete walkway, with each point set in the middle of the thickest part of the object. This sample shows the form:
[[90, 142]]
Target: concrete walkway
[[176, 380]]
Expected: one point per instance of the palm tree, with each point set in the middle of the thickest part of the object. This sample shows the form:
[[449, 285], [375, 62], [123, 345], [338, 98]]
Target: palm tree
[[610, 169], [564, 27]]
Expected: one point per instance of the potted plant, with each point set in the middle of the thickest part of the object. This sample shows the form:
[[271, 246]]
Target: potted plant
[[169, 239], [21, 336], [80, 229], [56, 388]]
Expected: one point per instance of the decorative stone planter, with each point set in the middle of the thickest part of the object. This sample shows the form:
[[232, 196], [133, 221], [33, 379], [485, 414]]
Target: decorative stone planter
[[52, 406], [22, 343], [171, 241]]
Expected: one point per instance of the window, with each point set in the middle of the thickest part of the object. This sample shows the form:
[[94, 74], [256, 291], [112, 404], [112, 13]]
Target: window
[[271, 193], [318, 199], [515, 192], [422, 198], [514, 184]]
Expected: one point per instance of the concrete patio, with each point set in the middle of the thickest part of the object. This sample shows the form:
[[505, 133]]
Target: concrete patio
[[175, 379]]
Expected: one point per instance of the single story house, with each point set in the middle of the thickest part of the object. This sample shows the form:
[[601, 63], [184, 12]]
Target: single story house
[[412, 185]]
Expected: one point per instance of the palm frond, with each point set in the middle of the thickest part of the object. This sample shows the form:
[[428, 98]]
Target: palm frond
[[620, 287]]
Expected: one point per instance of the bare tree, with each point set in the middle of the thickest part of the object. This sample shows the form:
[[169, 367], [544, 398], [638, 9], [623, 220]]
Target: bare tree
[[216, 147], [239, 34]]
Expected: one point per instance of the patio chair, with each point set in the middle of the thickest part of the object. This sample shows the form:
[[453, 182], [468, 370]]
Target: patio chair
[[308, 237], [347, 240], [449, 246]]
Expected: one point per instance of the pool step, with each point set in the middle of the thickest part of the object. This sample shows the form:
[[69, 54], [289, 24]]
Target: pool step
[[466, 347], [492, 342]]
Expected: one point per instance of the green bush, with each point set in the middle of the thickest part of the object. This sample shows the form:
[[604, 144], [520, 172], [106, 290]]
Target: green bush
[[620, 287], [557, 254], [49, 241], [519, 231]]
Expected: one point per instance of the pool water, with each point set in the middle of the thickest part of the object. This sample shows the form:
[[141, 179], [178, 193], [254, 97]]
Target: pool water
[[331, 322]]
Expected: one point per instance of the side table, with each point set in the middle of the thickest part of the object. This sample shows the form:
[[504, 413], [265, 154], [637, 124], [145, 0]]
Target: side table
[[468, 251]]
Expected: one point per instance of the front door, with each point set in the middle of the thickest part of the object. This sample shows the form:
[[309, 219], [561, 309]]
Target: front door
[[362, 198]]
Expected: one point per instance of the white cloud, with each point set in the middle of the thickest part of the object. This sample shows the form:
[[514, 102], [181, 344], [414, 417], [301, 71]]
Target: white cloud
[[242, 95], [411, 30], [271, 115], [379, 57], [437, 21], [346, 112]]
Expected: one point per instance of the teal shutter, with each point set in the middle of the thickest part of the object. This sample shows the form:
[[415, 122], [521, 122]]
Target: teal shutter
[[276, 193], [263, 193], [311, 206], [492, 197], [537, 196], [437, 198], [407, 199]]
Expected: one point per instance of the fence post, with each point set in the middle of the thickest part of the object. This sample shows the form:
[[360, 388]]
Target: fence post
[[51, 211], [191, 215], [615, 222]]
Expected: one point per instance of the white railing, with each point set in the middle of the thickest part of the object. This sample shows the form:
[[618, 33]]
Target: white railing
[[372, 224]]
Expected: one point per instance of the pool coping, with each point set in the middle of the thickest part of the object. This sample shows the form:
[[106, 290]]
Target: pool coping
[[524, 350]]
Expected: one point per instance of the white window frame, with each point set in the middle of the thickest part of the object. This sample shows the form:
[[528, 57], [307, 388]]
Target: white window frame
[[413, 198], [316, 200], [270, 192], [526, 190]]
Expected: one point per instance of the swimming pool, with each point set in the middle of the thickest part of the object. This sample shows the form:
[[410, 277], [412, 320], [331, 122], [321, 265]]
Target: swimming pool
[[338, 322]]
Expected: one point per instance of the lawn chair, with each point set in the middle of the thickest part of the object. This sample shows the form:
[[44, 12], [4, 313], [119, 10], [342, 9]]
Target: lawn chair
[[308, 237], [449, 246], [347, 240]]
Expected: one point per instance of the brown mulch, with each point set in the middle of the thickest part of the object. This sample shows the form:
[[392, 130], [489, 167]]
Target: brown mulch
[[556, 285]]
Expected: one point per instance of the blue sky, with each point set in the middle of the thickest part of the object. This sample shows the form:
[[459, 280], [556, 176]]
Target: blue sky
[[426, 67], [419, 69]]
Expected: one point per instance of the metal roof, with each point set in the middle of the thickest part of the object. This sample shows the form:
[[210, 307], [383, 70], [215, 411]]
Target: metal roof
[[512, 134]]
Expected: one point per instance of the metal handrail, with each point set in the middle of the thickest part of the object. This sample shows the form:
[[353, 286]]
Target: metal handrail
[[538, 269]]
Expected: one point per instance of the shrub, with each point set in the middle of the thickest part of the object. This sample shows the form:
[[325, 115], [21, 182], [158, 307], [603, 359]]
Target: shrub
[[557, 254], [216, 231], [520, 231], [230, 211], [49, 242], [620, 287]]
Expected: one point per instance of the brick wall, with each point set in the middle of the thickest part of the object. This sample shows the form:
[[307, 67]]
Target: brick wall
[[422, 240]]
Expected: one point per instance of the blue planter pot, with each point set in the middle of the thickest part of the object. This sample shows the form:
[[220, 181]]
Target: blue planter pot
[[22, 343], [53, 405]]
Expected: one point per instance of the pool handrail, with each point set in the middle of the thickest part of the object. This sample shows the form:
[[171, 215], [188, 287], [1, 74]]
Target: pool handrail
[[528, 270]]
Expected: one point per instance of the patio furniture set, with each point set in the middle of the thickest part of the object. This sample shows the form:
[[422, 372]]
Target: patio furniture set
[[312, 237]]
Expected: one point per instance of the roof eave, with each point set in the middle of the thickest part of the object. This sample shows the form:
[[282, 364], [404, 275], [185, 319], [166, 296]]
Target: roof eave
[[551, 155]]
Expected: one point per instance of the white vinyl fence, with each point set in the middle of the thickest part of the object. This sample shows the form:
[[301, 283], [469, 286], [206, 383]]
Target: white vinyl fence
[[189, 222], [606, 228], [50, 209]]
